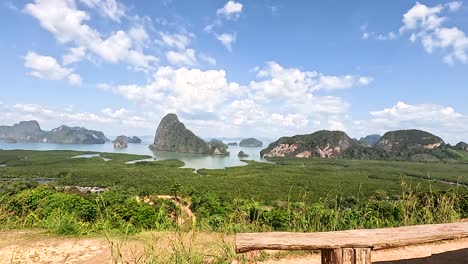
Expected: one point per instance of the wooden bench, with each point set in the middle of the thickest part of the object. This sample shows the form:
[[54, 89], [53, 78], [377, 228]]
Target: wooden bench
[[352, 246]]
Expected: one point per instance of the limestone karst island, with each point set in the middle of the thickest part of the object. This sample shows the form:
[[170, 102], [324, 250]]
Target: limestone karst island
[[234, 131]]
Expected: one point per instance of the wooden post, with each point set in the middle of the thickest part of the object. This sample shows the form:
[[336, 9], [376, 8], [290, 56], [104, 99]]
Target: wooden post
[[346, 256], [332, 256], [363, 255]]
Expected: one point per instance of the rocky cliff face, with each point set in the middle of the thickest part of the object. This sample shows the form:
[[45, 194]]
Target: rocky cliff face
[[23, 131], [30, 131], [133, 140], [324, 144], [75, 135], [217, 147], [401, 140], [251, 142], [172, 135], [121, 142]]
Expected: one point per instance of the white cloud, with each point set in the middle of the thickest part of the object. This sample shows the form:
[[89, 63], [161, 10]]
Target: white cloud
[[45, 67], [67, 24], [179, 41], [112, 122], [298, 86], [426, 24], [181, 58], [109, 8], [74, 55], [227, 39], [74, 79], [184, 90], [423, 17], [454, 6], [368, 35], [231, 10], [280, 101], [139, 36], [441, 120]]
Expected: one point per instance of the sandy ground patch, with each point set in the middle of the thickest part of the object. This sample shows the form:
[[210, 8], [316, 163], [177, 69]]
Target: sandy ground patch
[[39, 247]]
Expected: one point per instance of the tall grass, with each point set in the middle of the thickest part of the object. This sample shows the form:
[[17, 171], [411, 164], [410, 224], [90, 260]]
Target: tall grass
[[121, 219]]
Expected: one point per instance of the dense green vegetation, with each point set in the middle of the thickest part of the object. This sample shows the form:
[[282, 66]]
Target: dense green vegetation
[[292, 194]]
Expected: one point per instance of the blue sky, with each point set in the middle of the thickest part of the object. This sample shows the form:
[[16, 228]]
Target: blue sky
[[260, 68]]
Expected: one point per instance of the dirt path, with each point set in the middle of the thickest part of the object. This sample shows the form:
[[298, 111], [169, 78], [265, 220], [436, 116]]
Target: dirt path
[[185, 207], [38, 247]]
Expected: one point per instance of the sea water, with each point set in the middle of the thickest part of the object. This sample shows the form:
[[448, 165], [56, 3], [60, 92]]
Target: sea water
[[195, 161]]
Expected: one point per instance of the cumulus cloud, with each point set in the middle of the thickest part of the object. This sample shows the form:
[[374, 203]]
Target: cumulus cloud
[[425, 24], [45, 67], [296, 85], [68, 25], [280, 100], [227, 40], [441, 120], [109, 8], [184, 90], [231, 10]]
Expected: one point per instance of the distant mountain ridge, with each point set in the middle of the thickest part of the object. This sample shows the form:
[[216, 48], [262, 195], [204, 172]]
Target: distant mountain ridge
[[30, 131], [323, 143], [401, 140], [409, 145], [370, 140]]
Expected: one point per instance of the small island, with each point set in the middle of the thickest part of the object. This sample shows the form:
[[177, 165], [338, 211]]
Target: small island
[[242, 154], [172, 135], [121, 142], [232, 144], [251, 143]]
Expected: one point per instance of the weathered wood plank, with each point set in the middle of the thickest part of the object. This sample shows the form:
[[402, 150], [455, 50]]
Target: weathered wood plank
[[362, 238]]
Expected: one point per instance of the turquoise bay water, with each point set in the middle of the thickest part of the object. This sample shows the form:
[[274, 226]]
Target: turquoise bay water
[[195, 161]]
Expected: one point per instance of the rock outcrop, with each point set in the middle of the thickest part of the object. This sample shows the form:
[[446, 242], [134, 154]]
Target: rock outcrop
[[242, 154], [370, 140], [324, 144], [251, 142], [172, 135], [133, 140], [121, 142], [462, 146], [403, 140], [217, 147], [74, 135], [30, 131], [232, 144]]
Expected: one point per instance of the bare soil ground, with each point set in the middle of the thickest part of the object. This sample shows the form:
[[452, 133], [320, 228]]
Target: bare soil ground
[[38, 247]]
